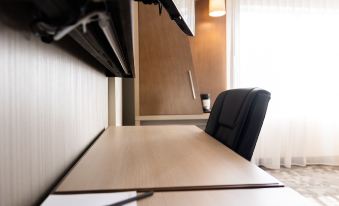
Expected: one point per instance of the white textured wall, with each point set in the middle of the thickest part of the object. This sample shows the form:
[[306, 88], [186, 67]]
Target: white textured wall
[[51, 106], [115, 101]]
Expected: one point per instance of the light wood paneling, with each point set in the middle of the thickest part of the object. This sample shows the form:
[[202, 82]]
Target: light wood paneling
[[51, 106], [165, 59], [209, 51], [243, 197], [161, 158], [135, 24]]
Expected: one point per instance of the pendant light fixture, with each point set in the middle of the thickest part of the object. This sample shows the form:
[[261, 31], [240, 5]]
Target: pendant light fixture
[[217, 8]]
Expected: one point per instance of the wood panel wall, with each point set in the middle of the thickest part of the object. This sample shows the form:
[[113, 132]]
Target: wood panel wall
[[164, 60], [52, 106], [208, 48]]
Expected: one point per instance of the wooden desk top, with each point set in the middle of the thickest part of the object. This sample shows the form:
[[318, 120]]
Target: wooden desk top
[[254, 197], [161, 158]]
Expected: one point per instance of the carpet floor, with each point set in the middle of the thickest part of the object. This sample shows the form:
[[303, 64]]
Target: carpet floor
[[319, 184]]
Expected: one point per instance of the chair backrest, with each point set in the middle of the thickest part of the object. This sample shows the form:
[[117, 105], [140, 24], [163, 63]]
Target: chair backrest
[[236, 119]]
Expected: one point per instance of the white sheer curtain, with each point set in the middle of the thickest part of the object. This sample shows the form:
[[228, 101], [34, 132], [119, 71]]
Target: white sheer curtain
[[290, 48]]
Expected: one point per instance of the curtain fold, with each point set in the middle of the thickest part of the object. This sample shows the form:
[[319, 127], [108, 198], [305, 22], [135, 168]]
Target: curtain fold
[[290, 48]]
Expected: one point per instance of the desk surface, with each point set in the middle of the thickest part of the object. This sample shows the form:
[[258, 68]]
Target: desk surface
[[161, 158], [254, 197]]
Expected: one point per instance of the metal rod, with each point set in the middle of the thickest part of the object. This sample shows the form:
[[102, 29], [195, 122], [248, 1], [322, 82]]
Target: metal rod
[[192, 85]]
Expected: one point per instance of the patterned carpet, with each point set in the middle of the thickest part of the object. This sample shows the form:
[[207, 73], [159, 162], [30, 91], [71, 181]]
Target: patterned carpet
[[320, 184]]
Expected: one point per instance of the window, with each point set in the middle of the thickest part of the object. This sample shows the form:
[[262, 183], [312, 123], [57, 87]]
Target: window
[[290, 48]]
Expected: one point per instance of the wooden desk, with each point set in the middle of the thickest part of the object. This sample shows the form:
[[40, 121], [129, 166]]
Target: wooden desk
[[161, 158], [241, 197]]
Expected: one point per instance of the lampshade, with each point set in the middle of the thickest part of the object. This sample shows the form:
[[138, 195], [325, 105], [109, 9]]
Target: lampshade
[[217, 8]]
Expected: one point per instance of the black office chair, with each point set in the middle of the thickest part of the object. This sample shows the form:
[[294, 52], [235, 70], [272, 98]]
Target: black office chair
[[236, 119]]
